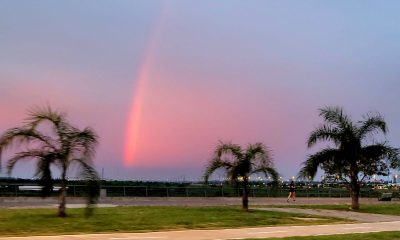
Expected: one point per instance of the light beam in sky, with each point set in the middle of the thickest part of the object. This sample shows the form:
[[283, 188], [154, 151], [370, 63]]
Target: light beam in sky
[[135, 115]]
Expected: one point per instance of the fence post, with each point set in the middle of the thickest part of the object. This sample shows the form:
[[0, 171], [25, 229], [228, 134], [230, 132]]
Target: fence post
[[187, 192], [167, 192], [147, 193], [124, 191], [222, 191], [205, 192]]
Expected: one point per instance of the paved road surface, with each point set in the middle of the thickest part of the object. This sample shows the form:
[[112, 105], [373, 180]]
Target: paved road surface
[[260, 232], [356, 216]]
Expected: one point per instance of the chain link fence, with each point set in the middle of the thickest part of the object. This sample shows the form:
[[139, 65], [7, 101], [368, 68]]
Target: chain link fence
[[189, 191]]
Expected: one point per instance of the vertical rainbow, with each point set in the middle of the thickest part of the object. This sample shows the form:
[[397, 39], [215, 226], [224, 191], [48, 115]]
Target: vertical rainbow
[[143, 77], [133, 124]]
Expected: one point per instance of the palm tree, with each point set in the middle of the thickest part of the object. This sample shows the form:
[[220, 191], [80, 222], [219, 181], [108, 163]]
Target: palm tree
[[352, 159], [240, 164], [63, 146]]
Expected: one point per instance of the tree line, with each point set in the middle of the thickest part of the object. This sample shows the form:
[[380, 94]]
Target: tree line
[[353, 157]]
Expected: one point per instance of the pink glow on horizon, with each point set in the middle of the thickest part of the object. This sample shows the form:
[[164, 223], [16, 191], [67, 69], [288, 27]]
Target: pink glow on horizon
[[180, 125]]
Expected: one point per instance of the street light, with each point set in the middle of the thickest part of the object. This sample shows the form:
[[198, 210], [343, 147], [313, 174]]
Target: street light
[[374, 177]]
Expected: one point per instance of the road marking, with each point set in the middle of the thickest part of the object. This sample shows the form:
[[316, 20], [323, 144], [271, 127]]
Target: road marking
[[127, 238], [344, 233], [323, 234], [267, 232], [355, 228]]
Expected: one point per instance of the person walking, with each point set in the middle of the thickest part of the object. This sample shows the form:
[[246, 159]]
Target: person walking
[[292, 191]]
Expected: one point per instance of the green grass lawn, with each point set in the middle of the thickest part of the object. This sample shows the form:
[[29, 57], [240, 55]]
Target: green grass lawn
[[362, 236], [384, 208], [141, 219]]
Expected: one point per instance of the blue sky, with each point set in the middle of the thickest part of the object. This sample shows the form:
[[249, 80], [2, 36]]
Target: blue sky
[[244, 71]]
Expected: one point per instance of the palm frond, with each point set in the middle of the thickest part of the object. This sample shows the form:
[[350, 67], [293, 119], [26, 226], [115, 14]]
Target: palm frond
[[226, 149], [257, 148], [225, 155], [215, 164], [376, 152], [374, 156], [88, 172], [24, 135], [394, 157], [84, 142], [261, 161], [310, 166], [371, 124], [325, 132], [38, 115], [57, 119], [259, 155], [335, 116], [26, 155]]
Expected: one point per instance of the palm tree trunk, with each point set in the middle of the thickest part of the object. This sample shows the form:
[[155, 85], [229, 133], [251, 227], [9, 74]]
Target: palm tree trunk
[[63, 193], [355, 196], [245, 197], [355, 191]]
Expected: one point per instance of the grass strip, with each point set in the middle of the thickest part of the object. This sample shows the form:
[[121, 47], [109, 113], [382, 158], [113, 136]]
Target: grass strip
[[25, 222]]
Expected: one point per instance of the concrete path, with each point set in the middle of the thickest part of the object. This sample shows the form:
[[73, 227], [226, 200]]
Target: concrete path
[[241, 233], [356, 216]]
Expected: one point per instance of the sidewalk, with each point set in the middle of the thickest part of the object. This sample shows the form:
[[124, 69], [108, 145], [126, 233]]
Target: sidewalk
[[224, 234], [356, 216]]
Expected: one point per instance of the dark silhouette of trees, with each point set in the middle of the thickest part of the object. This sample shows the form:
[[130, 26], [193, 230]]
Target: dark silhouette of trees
[[50, 139], [353, 158], [240, 164]]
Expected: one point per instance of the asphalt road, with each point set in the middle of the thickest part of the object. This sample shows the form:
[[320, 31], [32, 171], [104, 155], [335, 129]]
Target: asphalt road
[[241, 233]]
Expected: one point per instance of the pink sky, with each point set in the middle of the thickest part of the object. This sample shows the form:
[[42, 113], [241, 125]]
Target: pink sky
[[163, 82]]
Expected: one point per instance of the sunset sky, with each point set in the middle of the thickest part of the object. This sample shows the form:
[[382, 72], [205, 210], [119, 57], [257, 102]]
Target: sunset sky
[[163, 81]]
